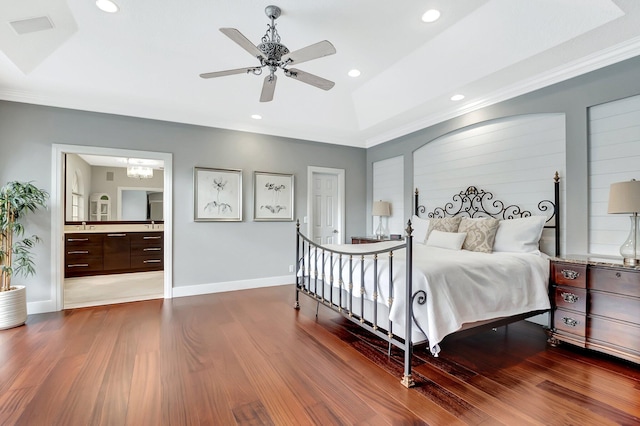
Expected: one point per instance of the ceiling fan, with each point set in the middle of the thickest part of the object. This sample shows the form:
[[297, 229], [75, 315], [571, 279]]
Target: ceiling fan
[[273, 55]]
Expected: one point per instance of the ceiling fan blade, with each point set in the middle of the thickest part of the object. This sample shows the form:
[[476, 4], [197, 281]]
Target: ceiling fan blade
[[268, 87], [230, 72], [242, 41], [311, 79], [317, 50]]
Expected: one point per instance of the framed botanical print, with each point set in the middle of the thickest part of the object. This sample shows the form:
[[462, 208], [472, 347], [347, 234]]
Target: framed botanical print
[[272, 196], [217, 194]]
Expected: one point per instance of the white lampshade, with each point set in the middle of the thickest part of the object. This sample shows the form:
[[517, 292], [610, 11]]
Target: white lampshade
[[381, 208], [624, 197]]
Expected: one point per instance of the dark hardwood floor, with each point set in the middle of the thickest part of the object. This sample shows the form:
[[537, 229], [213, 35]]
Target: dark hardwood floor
[[249, 358]]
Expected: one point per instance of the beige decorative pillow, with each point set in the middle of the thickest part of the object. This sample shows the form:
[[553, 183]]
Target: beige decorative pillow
[[446, 224], [481, 233]]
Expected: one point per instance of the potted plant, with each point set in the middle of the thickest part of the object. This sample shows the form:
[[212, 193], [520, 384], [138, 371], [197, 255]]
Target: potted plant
[[17, 199]]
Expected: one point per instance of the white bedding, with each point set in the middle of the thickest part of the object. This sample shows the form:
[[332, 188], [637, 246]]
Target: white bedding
[[461, 286]]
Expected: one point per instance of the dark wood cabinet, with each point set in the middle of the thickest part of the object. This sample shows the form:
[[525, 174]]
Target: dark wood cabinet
[[116, 251], [596, 305], [112, 253]]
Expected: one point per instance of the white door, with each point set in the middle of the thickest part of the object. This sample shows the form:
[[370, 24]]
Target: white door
[[326, 210]]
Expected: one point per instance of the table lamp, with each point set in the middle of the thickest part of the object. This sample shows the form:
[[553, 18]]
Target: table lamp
[[624, 198], [381, 209]]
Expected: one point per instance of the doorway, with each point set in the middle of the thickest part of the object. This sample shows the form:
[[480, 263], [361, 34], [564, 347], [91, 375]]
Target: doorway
[[58, 211], [326, 205]]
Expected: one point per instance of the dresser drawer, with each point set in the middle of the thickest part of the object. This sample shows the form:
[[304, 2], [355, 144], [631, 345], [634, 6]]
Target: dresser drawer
[[609, 332], [81, 240], [615, 281], [143, 239], [73, 252], [571, 298], [149, 262], [147, 250], [569, 274], [79, 266], [617, 307], [570, 322]]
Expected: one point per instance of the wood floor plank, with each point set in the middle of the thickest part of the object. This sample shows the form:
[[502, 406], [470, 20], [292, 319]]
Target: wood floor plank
[[248, 357]]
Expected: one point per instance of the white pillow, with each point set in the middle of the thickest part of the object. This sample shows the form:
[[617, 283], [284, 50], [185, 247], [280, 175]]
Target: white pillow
[[420, 227], [446, 240], [520, 235]]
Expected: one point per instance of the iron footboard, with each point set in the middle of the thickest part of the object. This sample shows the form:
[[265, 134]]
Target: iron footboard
[[318, 267]]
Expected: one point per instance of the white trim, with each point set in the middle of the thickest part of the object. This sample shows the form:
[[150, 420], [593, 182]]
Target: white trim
[[195, 290], [57, 214], [340, 173]]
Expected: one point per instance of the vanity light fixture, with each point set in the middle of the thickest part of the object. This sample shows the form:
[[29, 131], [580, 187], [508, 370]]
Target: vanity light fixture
[[107, 6], [431, 15], [139, 172]]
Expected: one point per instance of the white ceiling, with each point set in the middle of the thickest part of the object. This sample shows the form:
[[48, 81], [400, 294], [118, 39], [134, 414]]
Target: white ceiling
[[145, 60]]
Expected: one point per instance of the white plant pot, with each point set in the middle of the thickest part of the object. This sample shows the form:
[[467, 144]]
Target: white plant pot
[[13, 307]]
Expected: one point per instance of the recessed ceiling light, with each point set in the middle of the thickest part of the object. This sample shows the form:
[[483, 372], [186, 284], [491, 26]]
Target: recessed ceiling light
[[457, 97], [256, 116], [431, 15], [354, 73], [107, 6]]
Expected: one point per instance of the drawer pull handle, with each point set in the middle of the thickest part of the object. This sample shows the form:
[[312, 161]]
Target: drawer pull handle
[[116, 235], [569, 321], [78, 252], [569, 297], [78, 265], [77, 239], [152, 261], [152, 238], [152, 249], [569, 274]]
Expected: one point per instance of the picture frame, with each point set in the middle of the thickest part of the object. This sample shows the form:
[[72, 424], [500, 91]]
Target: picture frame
[[273, 196], [217, 195]]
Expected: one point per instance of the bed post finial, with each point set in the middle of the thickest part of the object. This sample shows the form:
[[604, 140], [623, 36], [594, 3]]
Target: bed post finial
[[409, 229], [556, 178], [298, 224]]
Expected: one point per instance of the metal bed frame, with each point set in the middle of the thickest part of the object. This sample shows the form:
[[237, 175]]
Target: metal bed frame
[[472, 202]]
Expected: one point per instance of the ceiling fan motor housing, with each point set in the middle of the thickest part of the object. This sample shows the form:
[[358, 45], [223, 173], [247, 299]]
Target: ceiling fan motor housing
[[273, 50]]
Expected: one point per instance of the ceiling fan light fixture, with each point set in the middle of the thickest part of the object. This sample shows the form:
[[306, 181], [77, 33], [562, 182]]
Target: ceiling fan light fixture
[[431, 15], [107, 6]]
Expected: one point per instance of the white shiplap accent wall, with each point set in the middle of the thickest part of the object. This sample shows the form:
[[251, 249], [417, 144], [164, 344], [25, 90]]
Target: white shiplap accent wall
[[388, 185], [515, 158], [614, 156]]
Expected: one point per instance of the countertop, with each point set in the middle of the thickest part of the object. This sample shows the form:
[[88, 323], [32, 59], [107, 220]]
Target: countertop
[[97, 228]]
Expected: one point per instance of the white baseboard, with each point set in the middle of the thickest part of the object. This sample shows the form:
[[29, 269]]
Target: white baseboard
[[541, 319], [194, 290], [41, 307]]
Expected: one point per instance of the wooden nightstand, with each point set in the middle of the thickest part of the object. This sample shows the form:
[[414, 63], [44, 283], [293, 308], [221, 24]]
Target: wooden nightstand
[[596, 305], [367, 240]]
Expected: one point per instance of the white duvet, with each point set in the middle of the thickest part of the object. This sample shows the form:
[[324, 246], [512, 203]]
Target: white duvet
[[461, 286]]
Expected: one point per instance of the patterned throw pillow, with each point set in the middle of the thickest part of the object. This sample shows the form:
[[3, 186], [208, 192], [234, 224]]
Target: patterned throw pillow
[[481, 233], [446, 224]]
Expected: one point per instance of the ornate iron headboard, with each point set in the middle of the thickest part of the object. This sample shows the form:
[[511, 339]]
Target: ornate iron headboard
[[474, 202]]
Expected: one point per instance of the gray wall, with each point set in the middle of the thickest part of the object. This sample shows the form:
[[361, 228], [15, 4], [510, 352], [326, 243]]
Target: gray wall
[[573, 98], [204, 252]]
